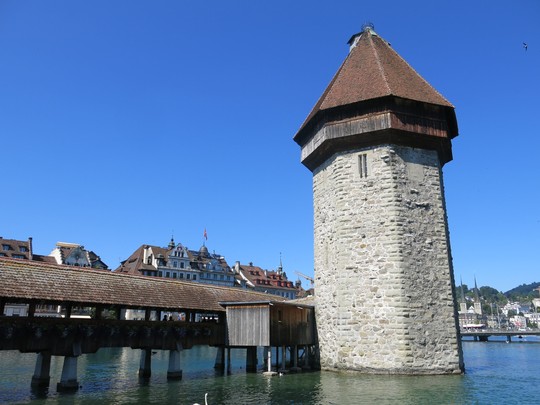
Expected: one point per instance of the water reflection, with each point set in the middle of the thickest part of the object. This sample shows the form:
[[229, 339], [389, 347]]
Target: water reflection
[[497, 373]]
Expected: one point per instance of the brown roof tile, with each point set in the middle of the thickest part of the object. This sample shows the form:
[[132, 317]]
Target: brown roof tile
[[259, 277], [15, 248], [374, 70], [24, 280]]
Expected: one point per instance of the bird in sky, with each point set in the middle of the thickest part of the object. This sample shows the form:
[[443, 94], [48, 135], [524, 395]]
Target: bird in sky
[[525, 45]]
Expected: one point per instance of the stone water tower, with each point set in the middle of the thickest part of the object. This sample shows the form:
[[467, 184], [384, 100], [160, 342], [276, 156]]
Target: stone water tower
[[376, 142]]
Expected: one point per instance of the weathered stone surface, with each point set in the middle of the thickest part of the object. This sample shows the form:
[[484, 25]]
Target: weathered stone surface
[[382, 264]]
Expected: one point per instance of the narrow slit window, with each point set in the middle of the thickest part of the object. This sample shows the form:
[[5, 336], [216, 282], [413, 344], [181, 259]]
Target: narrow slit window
[[362, 165]]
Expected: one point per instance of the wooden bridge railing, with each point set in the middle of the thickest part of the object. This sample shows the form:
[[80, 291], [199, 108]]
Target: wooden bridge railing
[[72, 337]]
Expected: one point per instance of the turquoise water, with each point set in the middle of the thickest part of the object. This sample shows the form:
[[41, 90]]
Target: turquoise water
[[497, 373]]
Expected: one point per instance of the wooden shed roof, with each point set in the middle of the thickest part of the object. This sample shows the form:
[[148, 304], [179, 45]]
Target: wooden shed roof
[[24, 280]]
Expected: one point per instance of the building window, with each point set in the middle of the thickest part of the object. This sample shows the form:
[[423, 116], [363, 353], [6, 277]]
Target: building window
[[362, 165], [167, 274], [174, 263], [5, 247], [174, 275], [181, 265], [19, 257], [194, 277], [181, 275], [160, 274], [23, 249], [188, 276]]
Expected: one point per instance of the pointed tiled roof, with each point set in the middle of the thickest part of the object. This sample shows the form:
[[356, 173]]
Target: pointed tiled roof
[[374, 70], [376, 98]]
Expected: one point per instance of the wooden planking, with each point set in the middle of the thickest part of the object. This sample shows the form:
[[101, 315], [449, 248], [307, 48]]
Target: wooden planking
[[270, 324], [248, 325]]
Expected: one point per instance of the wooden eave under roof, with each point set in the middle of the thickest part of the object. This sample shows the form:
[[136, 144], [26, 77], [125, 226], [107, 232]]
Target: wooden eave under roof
[[289, 303], [27, 281], [373, 71]]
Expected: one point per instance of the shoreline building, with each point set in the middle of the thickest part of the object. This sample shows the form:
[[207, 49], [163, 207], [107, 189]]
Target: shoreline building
[[73, 254], [68, 254], [266, 281], [178, 262], [376, 142]]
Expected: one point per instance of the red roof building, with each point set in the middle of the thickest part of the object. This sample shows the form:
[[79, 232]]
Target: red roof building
[[178, 262], [270, 282]]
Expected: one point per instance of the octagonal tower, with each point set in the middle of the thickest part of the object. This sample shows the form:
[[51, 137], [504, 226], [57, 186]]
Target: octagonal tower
[[376, 142]]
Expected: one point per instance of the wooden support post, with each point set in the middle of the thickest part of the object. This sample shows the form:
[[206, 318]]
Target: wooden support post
[[147, 314], [508, 339], [31, 309], [145, 366], [307, 362], [220, 359], [68, 380], [68, 311], [228, 360], [294, 359], [283, 359], [251, 359], [174, 371], [42, 376], [99, 312]]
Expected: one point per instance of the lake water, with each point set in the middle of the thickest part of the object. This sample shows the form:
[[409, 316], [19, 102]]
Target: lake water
[[497, 373]]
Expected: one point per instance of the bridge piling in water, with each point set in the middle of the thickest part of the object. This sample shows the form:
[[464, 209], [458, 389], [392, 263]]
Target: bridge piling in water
[[145, 366], [42, 372], [174, 371], [251, 359], [220, 358], [294, 359], [68, 380]]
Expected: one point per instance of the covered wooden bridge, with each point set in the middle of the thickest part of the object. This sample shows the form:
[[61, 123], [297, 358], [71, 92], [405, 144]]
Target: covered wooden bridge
[[107, 297]]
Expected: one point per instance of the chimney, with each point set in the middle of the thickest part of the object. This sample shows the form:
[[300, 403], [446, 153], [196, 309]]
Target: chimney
[[30, 249]]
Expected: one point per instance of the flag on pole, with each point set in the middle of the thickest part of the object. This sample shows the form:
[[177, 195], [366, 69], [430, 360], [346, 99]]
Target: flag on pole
[[205, 234]]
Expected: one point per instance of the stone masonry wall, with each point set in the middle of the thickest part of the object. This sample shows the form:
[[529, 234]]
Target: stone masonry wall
[[382, 264]]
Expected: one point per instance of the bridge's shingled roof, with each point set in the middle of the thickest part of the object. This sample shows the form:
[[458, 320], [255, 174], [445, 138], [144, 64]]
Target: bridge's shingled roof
[[26, 281]]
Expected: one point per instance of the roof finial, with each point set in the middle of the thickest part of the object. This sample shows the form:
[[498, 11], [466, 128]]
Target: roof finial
[[368, 26]]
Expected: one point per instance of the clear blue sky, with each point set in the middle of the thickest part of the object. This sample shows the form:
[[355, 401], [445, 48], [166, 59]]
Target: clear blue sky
[[125, 122]]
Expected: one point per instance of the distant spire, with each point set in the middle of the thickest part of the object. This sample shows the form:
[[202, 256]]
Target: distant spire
[[477, 292], [462, 291]]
